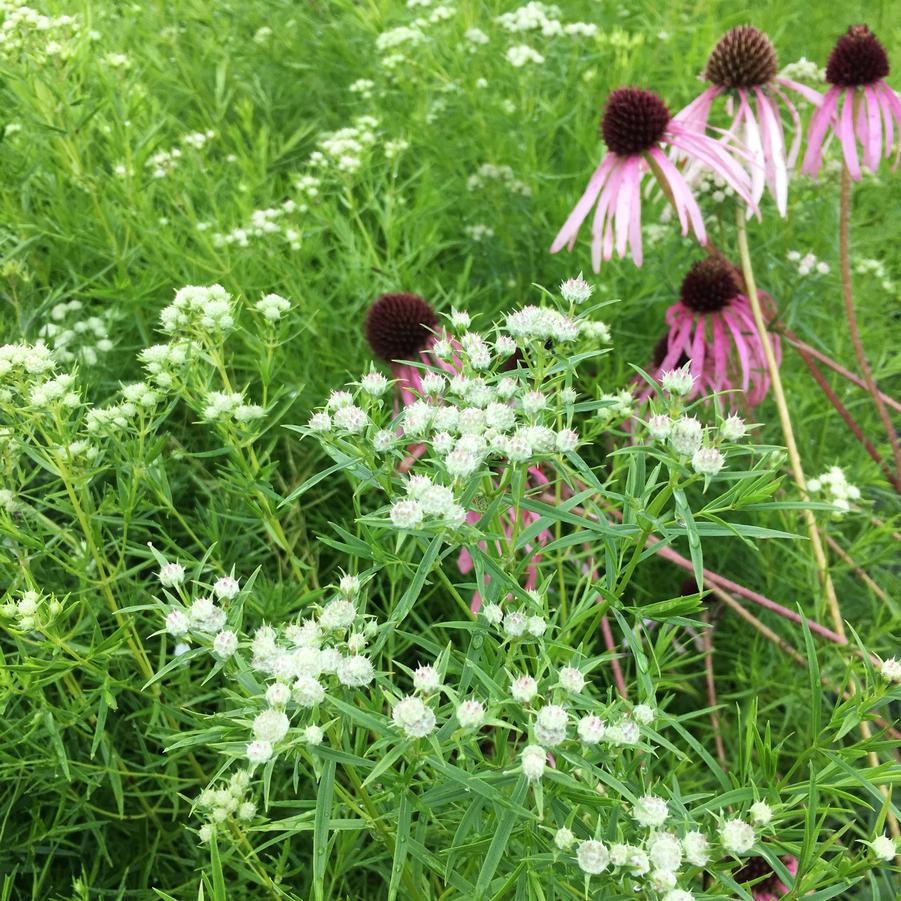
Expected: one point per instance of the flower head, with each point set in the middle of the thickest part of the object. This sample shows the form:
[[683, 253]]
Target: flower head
[[534, 759], [398, 326], [650, 810], [712, 327], [635, 126], [737, 836], [593, 857], [859, 106]]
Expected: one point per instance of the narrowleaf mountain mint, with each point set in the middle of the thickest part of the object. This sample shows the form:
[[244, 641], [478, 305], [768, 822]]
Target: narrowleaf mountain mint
[[890, 670], [413, 717], [733, 428], [572, 679], [685, 436], [564, 838], [707, 461], [697, 848], [523, 689], [259, 752], [650, 811], [677, 381], [471, 714], [737, 836], [761, 813], [534, 760], [550, 725], [593, 857], [171, 575], [591, 729], [883, 847]]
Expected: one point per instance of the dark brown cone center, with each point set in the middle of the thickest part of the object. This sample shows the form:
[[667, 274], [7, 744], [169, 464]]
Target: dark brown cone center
[[633, 121], [857, 59], [743, 58]]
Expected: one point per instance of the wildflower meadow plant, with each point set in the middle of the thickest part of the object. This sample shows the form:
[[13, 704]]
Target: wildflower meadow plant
[[355, 546]]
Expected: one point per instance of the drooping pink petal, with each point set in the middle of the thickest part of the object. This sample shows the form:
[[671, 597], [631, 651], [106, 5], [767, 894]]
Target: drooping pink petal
[[607, 201], [774, 149], [635, 220], [682, 197], [696, 114], [698, 348], [873, 148], [819, 124], [887, 121], [740, 346], [754, 145], [846, 134], [720, 352], [717, 158], [894, 103], [574, 221], [814, 97], [796, 127], [624, 209]]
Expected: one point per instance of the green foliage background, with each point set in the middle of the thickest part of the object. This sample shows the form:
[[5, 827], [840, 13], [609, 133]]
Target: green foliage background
[[90, 806]]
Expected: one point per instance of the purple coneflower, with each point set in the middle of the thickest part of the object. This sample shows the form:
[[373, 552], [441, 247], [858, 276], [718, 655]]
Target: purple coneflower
[[743, 65], [770, 887], [712, 318], [636, 126], [859, 105], [400, 328]]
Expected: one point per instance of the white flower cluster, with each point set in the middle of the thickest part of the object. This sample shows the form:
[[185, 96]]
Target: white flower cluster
[[890, 670], [199, 308], [804, 70], [165, 162], [470, 413], [225, 803], [28, 379], [654, 853], [272, 307], [685, 435], [267, 223], [344, 149], [544, 18], [362, 86], [75, 337], [876, 268], [164, 361], [707, 182], [808, 263], [488, 173], [293, 658], [231, 406], [520, 54], [478, 232], [26, 30], [835, 484], [32, 612], [139, 398]]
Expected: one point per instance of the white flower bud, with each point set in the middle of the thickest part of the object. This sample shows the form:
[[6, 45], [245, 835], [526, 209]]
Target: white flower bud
[[650, 811], [593, 857], [523, 689], [685, 436], [534, 759], [470, 714], [737, 836]]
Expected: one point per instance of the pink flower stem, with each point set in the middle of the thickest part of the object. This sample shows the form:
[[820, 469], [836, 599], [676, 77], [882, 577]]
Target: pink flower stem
[[712, 579], [800, 345], [844, 230], [712, 701], [848, 418], [614, 660]]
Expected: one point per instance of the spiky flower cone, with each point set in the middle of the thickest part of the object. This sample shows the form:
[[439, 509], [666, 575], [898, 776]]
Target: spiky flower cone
[[398, 326], [743, 58]]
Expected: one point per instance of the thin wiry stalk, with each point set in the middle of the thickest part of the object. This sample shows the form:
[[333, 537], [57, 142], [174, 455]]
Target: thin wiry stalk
[[844, 241], [785, 419]]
